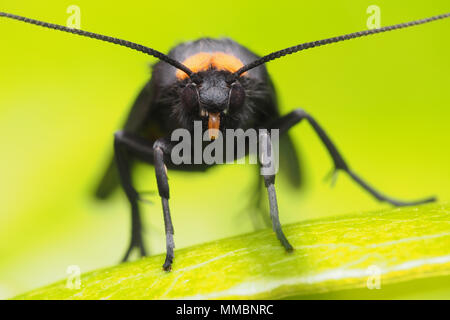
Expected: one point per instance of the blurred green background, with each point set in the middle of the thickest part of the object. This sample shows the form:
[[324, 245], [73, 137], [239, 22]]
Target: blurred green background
[[383, 99]]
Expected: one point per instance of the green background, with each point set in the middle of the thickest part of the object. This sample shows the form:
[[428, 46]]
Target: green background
[[383, 99]]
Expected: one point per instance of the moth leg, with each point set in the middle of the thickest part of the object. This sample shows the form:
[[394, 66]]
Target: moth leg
[[256, 209], [153, 154], [266, 160], [288, 121], [123, 157], [160, 148]]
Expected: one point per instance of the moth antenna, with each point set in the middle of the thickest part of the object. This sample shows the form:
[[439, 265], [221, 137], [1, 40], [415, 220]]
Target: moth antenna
[[152, 52], [307, 45]]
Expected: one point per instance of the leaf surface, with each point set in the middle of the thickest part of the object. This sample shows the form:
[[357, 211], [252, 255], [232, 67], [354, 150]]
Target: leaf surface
[[396, 246]]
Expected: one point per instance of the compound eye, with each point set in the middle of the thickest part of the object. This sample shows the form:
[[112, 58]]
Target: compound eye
[[237, 96], [189, 96]]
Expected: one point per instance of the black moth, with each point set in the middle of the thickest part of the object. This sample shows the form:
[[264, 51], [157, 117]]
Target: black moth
[[223, 85]]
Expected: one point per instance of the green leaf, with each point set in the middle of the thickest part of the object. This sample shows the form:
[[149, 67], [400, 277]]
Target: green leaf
[[408, 248]]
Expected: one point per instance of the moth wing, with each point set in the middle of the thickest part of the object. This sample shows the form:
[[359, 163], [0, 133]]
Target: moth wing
[[136, 120]]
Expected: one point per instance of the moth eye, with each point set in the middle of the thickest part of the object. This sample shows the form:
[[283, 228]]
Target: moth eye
[[237, 96], [189, 96]]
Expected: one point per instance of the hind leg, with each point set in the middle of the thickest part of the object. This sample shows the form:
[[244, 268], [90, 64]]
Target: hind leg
[[256, 208], [123, 158], [288, 121]]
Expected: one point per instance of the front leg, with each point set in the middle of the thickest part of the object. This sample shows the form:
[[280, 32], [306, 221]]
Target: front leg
[[288, 121], [160, 148], [267, 163], [130, 144]]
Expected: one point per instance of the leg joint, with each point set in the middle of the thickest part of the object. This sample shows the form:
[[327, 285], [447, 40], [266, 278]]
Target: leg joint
[[300, 113], [161, 171]]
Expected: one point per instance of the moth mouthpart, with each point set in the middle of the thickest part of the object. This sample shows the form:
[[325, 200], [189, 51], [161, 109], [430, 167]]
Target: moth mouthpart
[[213, 125]]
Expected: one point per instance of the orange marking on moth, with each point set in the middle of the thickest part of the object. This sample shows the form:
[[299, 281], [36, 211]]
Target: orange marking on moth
[[203, 61], [227, 62], [198, 62]]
